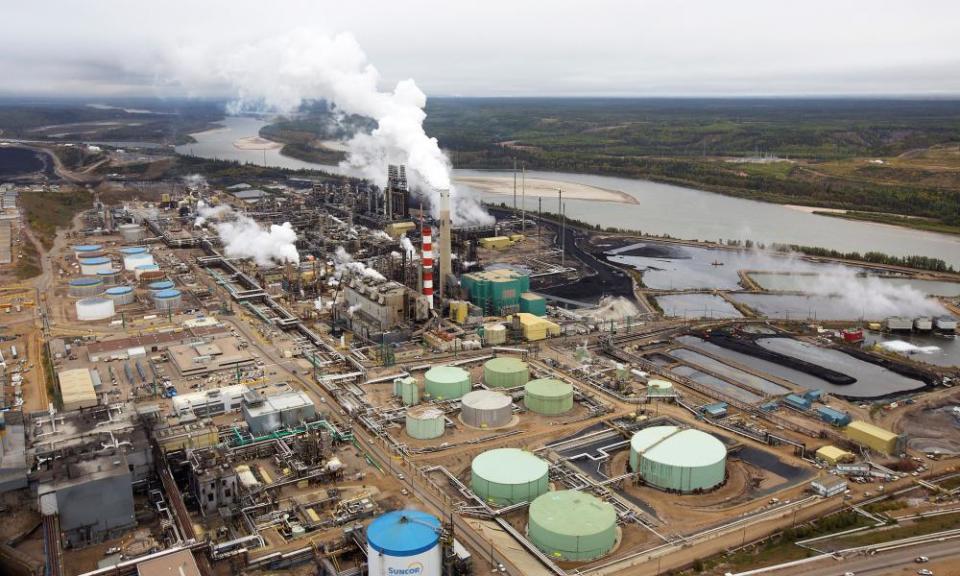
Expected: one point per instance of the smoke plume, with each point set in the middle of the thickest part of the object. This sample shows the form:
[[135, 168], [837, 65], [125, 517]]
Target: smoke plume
[[243, 237], [344, 263], [408, 247], [282, 72]]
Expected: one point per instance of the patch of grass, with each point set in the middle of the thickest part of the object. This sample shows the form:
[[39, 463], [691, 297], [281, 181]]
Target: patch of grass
[[885, 506], [914, 528], [915, 223], [29, 265], [951, 483], [48, 211], [781, 548]]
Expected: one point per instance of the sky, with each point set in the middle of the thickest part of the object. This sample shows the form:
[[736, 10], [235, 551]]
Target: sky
[[113, 48]]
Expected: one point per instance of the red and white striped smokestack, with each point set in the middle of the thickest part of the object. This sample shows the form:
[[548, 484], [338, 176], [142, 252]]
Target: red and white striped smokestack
[[427, 263]]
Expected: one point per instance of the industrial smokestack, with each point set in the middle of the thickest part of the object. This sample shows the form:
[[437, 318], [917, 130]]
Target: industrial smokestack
[[427, 263], [445, 267]]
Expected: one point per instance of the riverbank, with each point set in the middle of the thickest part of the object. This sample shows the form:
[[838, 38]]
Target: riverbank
[[913, 222], [543, 188]]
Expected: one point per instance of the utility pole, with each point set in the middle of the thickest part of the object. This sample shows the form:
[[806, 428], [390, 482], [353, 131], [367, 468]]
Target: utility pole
[[514, 183], [539, 224], [523, 203], [563, 235]]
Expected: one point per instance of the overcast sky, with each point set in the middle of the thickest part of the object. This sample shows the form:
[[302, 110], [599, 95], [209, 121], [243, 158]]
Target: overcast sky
[[504, 48]]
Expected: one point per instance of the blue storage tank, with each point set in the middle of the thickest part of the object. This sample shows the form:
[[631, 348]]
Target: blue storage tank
[[130, 250], [798, 402], [831, 416], [160, 285], [399, 540]]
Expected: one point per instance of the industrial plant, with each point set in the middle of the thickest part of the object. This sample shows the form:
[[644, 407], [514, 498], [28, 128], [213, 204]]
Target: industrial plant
[[326, 376]]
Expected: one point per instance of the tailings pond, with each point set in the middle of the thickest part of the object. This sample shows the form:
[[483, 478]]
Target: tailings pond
[[696, 306], [872, 380]]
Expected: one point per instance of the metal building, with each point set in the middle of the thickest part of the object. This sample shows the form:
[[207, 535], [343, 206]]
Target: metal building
[[266, 414], [94, 500]]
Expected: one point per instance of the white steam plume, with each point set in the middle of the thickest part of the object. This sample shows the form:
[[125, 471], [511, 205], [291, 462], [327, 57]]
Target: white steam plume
[[870, 296], [243, 237], [901, 347], [282, 72], [408, 247], [343, 262]]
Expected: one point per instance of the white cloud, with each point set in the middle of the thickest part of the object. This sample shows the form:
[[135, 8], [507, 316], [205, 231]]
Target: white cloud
[[605, 47]]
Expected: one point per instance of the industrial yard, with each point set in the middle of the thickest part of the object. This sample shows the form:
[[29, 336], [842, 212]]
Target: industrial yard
[[325, 377]]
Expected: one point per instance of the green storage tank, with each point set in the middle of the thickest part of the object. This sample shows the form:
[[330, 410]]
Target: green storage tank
[[548, 396], [446, 382], [496, 291], [505, 372], [506, 476], [425, 422], [572, 526], [533, 304], [678, 459], [407, 390]]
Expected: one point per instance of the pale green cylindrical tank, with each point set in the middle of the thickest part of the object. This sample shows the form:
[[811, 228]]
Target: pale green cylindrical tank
[[505, 372], [425, 422], [572, 526], [677, 459], [507, 476], [407, 390], [548, 396], [446, 382]]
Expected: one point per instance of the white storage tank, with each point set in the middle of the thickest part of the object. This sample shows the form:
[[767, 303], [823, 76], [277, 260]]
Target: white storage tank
[[167, 299], [131, 232], [93, 266], [120, 295], [486, 409], [494, 334], [95, 309], [132, 261], [86, 250], [404, 543], [85, 287]]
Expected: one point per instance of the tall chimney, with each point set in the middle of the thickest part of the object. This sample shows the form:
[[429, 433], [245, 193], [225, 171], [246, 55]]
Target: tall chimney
[[445, 267], [427, 263]]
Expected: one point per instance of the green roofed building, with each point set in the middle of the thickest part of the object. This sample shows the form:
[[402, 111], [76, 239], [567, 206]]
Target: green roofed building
[[496, 291]]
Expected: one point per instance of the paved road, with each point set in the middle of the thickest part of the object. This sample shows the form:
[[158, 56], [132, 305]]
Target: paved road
[[944, 561]]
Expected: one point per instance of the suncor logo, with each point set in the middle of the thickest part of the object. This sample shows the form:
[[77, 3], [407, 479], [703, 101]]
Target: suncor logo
[[413, 569]]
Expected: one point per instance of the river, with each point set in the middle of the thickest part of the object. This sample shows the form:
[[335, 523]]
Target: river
[[661, 208]]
